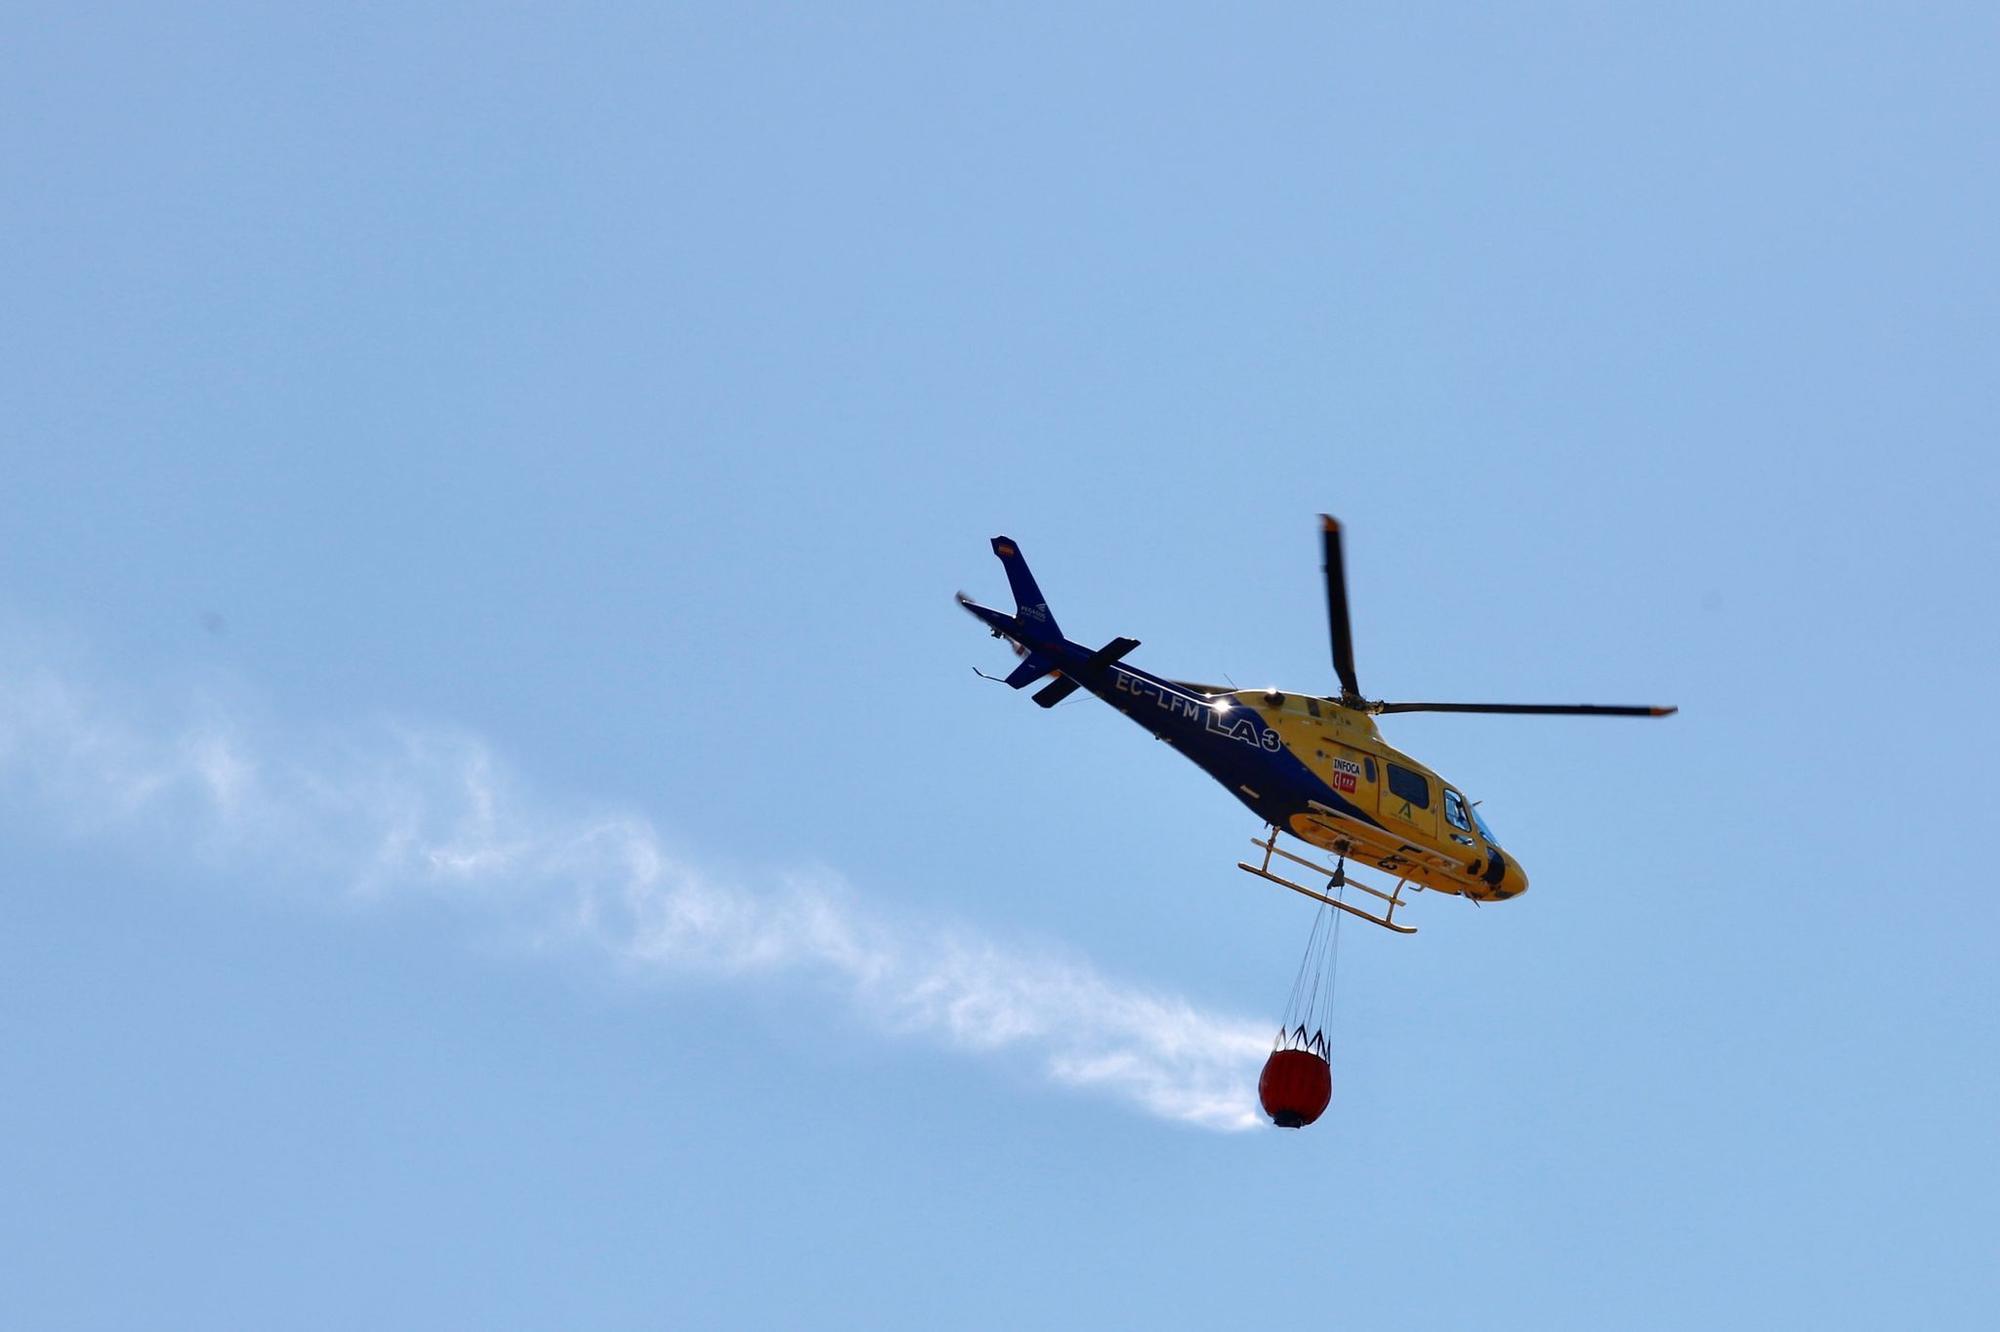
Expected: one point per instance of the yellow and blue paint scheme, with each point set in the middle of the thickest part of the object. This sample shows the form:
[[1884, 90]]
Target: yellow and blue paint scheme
[[1308, 765]]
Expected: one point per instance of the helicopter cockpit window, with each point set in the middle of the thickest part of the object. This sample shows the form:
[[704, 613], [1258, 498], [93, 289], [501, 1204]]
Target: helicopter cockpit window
[[1410, 786], [1484, 831], [1454, 809]]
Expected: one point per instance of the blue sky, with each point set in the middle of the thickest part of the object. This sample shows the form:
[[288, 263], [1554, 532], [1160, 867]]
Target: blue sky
[[497, 823]]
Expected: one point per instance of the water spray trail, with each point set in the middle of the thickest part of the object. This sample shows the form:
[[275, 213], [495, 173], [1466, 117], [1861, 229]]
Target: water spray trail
[[388, 811]]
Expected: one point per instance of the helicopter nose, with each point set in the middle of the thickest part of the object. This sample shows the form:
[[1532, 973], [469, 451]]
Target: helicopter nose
[[1500, 877]]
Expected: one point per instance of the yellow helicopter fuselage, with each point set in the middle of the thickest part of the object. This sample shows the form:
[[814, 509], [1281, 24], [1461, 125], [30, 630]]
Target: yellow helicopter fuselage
[[1423, 828]]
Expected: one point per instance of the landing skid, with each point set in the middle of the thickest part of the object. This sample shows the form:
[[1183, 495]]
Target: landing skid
[[1337, 877]]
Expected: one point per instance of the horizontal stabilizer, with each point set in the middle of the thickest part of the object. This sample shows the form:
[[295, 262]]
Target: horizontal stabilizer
[[1034, 668], [1056, 692], [1096, 661]]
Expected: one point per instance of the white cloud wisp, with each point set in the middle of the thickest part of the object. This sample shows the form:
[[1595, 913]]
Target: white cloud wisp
[[407, 810]]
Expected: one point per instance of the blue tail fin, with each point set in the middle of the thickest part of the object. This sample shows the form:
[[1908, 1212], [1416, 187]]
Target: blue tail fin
[[1031, 628], [1031, 607]]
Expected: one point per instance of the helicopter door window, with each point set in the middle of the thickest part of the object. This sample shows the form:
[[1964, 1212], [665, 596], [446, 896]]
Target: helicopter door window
[[1454, 809], [1410, 786]]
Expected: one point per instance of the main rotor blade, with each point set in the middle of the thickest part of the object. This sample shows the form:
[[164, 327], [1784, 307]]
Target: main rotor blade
[[1528, 709], [1336, 607]]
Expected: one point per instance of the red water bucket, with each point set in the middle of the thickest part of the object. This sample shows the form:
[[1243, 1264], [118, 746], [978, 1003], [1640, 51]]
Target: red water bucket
[[1295, 1087]]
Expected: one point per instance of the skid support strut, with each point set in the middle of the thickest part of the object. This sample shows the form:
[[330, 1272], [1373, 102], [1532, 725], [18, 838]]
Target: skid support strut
[[1337, 877]]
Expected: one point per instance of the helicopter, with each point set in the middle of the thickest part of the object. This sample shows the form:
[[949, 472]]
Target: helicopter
[[1313, 767]]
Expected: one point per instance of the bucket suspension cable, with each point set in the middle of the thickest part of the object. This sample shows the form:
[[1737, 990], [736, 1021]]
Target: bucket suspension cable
[[1309, 1007], [1296, 1085]]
